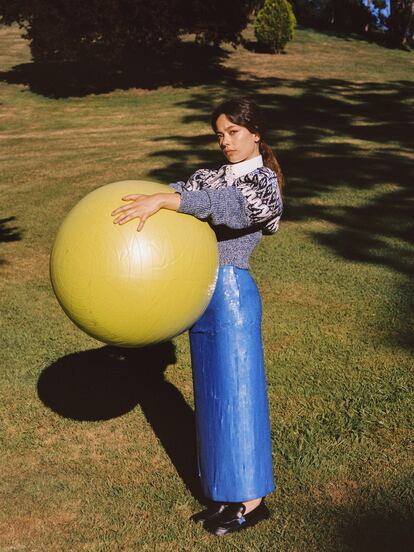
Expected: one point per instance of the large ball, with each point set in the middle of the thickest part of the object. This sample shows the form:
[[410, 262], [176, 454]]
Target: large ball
[[130, 288]]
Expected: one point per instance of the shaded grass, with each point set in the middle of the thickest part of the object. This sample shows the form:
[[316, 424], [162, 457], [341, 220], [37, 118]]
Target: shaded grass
[[90, 461]]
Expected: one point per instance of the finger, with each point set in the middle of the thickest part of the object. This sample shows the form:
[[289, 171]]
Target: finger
[[141, 223], [127, 210], [121, 219], [121, 209], [131, 197], [125, 219]]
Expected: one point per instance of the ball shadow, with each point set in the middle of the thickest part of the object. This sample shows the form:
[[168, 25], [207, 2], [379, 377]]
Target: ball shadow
[[105, 383]]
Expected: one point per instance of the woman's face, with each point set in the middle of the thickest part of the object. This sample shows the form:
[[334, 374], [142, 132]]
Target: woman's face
[[236, 142]]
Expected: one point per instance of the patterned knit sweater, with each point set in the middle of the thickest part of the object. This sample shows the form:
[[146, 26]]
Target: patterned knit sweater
[[240, 209]]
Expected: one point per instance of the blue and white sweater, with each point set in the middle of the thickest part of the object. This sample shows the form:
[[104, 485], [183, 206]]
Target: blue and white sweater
[[240, 206]]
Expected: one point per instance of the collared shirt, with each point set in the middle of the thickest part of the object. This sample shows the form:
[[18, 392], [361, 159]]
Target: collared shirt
[[244, 167]]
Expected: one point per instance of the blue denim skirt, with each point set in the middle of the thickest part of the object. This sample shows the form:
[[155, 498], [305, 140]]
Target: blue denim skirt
[[232, 415]]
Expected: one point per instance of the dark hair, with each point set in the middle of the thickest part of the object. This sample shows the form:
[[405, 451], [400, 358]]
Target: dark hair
[[246, 113]]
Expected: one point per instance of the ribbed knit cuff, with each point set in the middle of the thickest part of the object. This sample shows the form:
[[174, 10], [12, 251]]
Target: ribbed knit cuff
[[177, 186]]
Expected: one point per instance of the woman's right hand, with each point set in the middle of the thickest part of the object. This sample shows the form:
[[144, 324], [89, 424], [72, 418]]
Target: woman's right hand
[[144, 206]]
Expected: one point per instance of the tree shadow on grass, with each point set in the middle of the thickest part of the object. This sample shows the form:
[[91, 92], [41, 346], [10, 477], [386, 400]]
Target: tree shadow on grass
[[189, 65], [328, 122], [379, 531], [374, 520], [372, 36], [258, 48], [105, 383], [331, 136], [8, 233]]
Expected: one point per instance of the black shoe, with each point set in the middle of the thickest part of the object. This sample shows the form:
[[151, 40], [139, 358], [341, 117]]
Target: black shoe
[[233, 518], [210, 513]]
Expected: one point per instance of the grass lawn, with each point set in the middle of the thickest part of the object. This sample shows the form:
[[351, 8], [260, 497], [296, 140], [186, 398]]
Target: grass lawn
[[97, 443]]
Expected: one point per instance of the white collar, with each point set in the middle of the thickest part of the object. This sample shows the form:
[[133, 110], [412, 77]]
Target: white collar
[[244, 167]]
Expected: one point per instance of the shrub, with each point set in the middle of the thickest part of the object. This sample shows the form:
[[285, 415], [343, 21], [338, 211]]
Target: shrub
[[71, 30], [275, 24]]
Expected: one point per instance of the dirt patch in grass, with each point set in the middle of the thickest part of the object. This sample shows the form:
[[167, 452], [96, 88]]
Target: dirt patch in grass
[[318, 225], [24, 529], [26, 268], [339, 492]]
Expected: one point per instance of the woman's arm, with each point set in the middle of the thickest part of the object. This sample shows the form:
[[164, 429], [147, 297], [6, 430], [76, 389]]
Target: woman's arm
[[144, 206], [223, 206], [254, 200]]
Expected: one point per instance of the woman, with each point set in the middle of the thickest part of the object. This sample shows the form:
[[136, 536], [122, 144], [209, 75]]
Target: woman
[[241, 201]]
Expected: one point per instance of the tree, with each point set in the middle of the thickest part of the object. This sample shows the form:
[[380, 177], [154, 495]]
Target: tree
[[68, 30], [275, 24], [401, 21], [358, 16], [216, 21], [342, 15]]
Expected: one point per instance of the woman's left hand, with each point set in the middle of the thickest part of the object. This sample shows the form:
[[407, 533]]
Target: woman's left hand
[[140, 206]]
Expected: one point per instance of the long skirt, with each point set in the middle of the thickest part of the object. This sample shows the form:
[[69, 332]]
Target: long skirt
[[232, 415]]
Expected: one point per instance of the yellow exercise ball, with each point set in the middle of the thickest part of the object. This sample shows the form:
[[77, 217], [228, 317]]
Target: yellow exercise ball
[[130, 288]]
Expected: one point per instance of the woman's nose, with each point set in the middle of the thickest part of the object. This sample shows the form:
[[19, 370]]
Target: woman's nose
[[226, 141]]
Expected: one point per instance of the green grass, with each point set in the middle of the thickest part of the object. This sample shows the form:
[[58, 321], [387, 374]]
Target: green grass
[[89, 459]]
